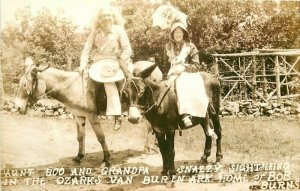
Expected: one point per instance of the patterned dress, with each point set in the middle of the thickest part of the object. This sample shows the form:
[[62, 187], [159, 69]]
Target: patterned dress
[[191, 94]]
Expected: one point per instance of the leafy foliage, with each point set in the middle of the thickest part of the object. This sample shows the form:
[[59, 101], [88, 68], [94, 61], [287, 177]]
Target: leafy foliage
[[217, 26], [50, 39], [223, 26]]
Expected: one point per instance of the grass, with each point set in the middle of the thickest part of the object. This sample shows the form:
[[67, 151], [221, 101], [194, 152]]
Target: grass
[[253, 140]]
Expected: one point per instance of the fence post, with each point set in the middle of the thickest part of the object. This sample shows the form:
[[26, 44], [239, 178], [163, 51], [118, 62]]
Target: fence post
[[254, 83], [277, 73], [1, 84], [265, 86], [245, 83], [216, 67]]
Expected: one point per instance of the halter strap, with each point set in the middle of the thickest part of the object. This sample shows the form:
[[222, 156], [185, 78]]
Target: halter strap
[[156, 103]]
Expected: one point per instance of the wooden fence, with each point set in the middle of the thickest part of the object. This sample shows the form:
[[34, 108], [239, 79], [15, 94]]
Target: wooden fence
[[262, 74]]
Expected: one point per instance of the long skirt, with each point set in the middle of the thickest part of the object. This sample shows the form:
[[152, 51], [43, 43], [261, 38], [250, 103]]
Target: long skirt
[[113, 106], [191, 94]]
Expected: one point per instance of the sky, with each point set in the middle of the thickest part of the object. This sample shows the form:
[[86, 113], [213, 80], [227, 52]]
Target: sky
[[80, 11]]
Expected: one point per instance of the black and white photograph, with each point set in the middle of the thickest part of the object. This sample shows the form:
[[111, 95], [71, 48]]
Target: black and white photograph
[[154, 95]]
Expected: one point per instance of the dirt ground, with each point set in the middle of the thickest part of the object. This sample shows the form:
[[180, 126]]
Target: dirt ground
[[42, 143]]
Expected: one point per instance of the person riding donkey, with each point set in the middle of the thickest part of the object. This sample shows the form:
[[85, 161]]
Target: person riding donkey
[[109, 48], [184, 61]]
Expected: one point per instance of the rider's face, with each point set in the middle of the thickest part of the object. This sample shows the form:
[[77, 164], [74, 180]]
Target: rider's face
[[178, 34], [106, 18]]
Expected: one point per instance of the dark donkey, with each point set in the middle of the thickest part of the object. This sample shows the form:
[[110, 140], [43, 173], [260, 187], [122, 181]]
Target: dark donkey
[[160, 109], [68, 88]]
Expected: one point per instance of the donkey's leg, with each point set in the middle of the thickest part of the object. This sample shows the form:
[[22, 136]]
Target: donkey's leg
[[171, 153], [95, 123], [162, 144], [147, 146], [207, 150], [80, 123], [218, 130]]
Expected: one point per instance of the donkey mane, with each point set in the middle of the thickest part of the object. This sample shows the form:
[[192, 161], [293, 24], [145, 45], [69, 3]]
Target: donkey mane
[[57, 77], [61, 74]]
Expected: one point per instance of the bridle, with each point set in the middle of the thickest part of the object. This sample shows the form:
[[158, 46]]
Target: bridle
[[130, 81], [32, 91], [148, 107]]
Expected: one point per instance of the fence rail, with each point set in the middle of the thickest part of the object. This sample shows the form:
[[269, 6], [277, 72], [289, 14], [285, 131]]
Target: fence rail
[[259, 74]]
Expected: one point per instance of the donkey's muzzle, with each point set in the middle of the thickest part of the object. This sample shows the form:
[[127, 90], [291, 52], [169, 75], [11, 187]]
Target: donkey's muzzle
[[21, 106], [134, 115]]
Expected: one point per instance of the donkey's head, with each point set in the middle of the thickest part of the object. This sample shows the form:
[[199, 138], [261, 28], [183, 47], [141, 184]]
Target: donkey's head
[[140, 92], [29, 88]]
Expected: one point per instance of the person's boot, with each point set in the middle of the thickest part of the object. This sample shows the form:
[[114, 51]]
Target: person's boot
[[118, 122], [187, 120], [212, 134]]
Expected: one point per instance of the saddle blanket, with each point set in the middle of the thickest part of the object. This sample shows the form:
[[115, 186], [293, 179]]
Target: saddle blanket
[[191, 94]]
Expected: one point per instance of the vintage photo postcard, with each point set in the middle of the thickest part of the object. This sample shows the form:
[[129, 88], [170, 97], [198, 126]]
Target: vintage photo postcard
[[152, 95]]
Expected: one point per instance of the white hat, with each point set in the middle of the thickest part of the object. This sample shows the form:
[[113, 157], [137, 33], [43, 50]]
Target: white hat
[[106, 70], [178, 24]]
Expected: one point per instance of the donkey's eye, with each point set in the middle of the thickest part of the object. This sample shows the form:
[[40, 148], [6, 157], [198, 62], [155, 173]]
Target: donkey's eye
[[141, 93]]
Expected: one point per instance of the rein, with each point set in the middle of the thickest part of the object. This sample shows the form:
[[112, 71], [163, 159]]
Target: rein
[[157, 104]]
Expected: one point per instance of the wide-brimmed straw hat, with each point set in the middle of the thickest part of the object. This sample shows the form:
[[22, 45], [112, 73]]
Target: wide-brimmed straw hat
[[106, 70]]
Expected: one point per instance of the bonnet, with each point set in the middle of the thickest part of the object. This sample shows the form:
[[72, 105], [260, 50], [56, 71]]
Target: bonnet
[[186, 36]]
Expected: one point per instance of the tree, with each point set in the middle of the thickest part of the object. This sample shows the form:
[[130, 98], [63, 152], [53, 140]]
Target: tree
[[218, 26], [50, 39], [1, 84]]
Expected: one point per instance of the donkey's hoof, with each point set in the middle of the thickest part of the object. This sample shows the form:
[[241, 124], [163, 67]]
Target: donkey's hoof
[[172, 172], [218, 160], [203, 161], [164, 172], [78, 158], [105, 164]]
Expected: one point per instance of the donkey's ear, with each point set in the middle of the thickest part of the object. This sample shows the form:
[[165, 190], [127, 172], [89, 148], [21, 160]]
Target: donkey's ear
[[147, 72], [152, 83]]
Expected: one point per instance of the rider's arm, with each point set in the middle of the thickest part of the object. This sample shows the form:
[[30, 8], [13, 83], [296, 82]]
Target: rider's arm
[[126, 52], [87, 49], [193, 62], [169, 48]]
